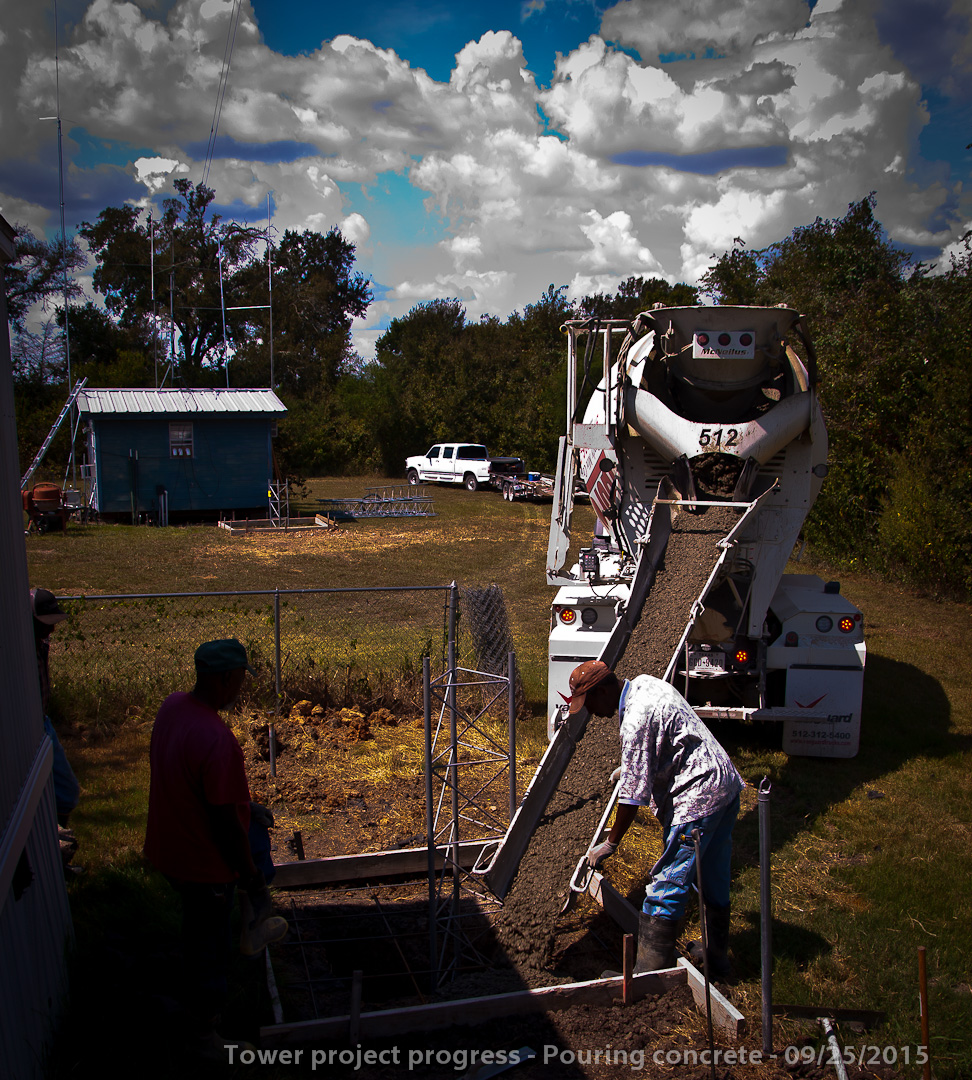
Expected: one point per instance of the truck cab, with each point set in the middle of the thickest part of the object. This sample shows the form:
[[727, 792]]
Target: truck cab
[[468, 464]]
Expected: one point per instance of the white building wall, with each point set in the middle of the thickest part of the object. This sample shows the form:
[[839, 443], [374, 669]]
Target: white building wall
[[35, 922]]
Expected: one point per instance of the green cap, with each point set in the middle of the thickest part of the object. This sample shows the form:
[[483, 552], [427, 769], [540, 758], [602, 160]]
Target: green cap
[[228, 654]]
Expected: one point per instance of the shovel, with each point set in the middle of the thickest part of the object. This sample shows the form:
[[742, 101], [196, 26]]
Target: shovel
[[583, 872]]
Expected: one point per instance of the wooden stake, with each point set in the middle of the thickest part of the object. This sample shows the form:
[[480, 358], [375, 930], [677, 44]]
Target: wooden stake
[[627, 969]]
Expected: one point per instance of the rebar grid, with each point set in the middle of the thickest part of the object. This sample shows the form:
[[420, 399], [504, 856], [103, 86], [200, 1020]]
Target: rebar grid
[[314, 931]]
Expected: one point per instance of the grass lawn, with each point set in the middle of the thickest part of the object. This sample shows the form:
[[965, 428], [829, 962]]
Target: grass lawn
[[871, 856]]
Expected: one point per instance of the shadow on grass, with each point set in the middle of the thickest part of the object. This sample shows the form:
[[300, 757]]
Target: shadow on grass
[[906, 715], [792, 943]]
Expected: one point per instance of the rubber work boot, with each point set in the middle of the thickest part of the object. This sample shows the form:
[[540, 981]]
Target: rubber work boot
[[656, 943], [717, 940], [259, 932]]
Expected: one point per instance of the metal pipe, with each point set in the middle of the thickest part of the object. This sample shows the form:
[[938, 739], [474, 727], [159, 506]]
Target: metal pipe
[[836, 1057], [270, 288], [258, 592], [923, 1004], [766, 915], [354, 1018], [511, 675], [276, 669], [429, 826], [697, 841]]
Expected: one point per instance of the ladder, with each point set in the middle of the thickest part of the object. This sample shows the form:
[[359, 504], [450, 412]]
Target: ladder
[[72, 397]]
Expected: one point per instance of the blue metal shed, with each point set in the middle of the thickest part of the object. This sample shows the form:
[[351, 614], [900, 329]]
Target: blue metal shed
[[202, 451]]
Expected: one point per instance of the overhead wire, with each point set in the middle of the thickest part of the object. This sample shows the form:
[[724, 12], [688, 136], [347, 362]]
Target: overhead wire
[[221, 89]]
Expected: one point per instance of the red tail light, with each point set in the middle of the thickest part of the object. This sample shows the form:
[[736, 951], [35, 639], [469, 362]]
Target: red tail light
[[846, 624], [791, 640], [568, 615], [742, 656]]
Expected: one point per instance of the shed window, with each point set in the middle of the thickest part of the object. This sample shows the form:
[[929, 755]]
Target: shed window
[[180, 440]]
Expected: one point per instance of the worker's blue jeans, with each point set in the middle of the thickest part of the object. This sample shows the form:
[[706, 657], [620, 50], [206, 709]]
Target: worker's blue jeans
[[674, 875], [67, 791]]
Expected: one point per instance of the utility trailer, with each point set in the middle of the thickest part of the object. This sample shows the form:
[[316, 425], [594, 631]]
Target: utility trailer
[[685, 409], [532, 486]]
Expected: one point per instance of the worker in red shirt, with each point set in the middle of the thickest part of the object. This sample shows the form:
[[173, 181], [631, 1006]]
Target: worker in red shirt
[[198, 834]]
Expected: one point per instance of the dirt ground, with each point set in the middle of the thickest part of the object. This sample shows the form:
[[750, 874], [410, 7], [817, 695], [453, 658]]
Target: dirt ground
[[527, 942]]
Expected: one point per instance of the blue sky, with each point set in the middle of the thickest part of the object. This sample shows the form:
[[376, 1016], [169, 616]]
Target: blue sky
[[430, 34], [486, 150]]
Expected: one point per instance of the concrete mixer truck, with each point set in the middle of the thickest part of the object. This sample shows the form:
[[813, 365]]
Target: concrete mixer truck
[[698, 434]]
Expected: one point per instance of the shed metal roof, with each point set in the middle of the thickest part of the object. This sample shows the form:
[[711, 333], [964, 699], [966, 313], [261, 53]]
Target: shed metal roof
[[165, 402]]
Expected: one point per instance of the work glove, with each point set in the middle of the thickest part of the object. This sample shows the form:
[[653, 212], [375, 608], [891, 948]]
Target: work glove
[[596, 854], [616, 775], [262, 815]]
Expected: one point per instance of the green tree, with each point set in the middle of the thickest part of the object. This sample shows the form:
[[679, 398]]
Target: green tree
[[109, 354], [189, 244], [39, 273], [317, 294], [892, 344], [417, 401], [636, 294], [735, 277]]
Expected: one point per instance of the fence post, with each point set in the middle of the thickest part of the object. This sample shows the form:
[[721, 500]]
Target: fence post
[[276, 673], [429, 821], [454, 747], [511, 675]]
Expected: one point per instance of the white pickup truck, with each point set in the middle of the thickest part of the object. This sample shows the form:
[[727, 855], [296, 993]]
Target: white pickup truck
[[460, 463]]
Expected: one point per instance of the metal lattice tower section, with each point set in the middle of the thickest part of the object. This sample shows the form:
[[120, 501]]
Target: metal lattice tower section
[[278, 497], [466, 758]]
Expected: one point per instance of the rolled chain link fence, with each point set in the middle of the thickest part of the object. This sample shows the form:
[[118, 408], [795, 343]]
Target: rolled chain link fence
[[485, 619], [122, 654]]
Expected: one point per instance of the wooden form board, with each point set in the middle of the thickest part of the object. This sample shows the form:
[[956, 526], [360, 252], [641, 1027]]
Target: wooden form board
[[410, 861], [441, 1014], [725, 1015], [306, 873], [263, 525]]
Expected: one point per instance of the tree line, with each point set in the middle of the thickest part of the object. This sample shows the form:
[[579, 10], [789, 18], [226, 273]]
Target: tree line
[[893, 344]]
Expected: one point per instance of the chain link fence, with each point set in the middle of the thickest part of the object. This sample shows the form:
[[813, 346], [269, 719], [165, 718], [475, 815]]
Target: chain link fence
[[118, 655]]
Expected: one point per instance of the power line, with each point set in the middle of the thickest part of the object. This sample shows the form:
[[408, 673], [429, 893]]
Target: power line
[[221, 89]]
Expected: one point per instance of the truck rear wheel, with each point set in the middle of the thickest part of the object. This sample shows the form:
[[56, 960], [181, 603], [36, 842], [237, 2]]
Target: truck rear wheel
[[412, 477], [470, 481]]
